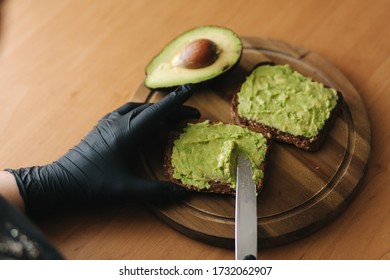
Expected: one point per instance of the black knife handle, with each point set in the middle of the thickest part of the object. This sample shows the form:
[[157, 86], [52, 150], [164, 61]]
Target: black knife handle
[[249, 257]]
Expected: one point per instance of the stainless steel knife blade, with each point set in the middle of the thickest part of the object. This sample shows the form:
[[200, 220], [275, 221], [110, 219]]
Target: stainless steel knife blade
[[246, 210]]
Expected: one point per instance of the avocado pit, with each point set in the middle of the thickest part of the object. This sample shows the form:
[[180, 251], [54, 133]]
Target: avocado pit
[[198, 54]]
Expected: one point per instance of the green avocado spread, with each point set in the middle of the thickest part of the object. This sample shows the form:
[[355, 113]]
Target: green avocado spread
[[278, 96], [207, 152]]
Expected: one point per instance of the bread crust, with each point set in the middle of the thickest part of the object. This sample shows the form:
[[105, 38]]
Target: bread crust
[[306, 143], [215, 187]]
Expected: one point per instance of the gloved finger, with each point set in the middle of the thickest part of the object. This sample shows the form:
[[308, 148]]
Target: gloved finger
[[129, 106], [137, 110], [182, 113], [178, 96], [125, 108], [161, 109], [149, 190]]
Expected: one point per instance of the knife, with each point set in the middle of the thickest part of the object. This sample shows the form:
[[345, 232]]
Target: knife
[[246, 211]]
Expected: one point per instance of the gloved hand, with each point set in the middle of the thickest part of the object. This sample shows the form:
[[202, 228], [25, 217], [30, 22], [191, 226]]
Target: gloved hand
[[97, 170]]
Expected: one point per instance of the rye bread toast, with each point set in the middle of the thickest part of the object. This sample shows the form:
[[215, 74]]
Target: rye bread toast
[[215, 186], [312, 143]]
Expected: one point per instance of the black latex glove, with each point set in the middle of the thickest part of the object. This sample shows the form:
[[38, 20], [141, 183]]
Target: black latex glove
[[98, 168]]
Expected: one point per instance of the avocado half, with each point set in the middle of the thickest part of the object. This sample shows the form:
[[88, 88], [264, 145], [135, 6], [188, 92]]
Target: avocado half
[[167, 70]]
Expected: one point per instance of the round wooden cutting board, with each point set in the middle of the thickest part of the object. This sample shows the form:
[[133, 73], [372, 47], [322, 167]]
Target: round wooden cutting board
[[304, 190]]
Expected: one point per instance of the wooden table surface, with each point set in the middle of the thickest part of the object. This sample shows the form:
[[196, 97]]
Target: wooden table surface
[[64, 64]]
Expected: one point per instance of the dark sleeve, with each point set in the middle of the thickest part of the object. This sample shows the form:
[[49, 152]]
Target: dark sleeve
[[20, 238]]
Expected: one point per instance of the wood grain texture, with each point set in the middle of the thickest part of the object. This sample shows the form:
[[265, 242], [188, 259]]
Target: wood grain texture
[[304, 190], [65, 64]]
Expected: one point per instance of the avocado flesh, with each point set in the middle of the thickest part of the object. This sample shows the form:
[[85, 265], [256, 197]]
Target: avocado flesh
[[163, 71], [279, 97], [207, 152]]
